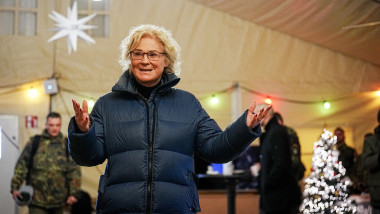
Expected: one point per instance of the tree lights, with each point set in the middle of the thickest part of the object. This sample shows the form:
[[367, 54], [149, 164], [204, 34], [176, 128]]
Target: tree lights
[[326, 188]]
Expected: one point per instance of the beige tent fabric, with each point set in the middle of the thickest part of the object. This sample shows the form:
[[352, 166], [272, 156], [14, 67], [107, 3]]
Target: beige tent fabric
[[219, 50], [323, 22]]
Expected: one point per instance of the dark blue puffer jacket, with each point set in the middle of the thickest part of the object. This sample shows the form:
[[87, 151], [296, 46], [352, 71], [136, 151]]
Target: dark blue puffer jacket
[[149, 146]]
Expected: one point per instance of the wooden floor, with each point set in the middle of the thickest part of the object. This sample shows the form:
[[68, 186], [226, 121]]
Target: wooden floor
[[215, 202]]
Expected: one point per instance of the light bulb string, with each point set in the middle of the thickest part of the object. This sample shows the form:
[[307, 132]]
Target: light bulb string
[[311, 102], [230, 90]]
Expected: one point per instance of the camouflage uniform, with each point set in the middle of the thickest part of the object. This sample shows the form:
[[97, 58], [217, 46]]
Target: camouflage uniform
[[54, 176]]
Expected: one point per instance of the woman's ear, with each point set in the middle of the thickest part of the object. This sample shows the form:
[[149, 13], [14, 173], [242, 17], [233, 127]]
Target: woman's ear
[[167, 62]]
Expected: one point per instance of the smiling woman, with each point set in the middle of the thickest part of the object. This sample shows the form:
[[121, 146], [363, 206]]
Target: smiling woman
[[149, 132]]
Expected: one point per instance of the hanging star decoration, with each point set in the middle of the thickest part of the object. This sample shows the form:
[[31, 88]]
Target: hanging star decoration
[[71, 27]]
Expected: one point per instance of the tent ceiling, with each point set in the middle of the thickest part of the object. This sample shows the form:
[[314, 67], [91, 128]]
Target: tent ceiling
[[321, 22]]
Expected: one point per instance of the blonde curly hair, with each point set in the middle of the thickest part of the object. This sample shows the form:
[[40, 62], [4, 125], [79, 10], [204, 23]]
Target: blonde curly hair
[[170, 46]]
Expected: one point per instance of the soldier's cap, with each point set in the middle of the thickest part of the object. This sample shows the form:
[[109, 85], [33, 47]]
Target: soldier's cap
[[26, 193]]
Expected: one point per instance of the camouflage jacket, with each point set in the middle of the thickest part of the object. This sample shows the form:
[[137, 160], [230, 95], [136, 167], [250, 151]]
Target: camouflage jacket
[[53, 175]]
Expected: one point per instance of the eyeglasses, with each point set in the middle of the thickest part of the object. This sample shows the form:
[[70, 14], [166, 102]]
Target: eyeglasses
[[152, 55]]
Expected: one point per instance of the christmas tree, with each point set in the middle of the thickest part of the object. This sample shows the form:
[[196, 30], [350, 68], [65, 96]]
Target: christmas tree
[[326, 188]]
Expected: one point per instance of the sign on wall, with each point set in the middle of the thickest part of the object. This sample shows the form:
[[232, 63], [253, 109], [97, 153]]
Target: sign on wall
[[31, 121]]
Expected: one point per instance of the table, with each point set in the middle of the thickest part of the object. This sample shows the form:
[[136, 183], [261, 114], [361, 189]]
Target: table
[[230, 182]]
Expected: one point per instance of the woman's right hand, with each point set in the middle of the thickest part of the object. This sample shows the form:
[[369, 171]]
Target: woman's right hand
[[82, 117]]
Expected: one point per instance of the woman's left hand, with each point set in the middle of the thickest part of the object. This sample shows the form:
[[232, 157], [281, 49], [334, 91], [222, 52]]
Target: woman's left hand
[[253, 119]]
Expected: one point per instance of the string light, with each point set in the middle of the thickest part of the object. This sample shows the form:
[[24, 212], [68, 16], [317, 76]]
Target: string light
[[91, 103], [311, 102], [214, 99], [32, 93], [326, 105], [268, 101], [346, 97]]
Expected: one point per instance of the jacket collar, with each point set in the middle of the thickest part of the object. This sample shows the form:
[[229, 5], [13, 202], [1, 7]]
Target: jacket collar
[[125, 83]]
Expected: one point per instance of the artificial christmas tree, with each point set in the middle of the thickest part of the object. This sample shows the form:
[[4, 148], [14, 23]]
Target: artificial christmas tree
[[326, 188]]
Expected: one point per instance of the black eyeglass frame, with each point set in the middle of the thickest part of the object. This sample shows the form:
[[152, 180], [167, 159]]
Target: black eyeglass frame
[[147, 54]]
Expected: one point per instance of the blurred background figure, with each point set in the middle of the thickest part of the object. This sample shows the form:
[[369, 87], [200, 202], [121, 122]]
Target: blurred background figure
[[347, 155], [295, 148], [46, 165], [279, 190], [200, 165], [244, 162], [359, 174], [83, 205], [370, 156]]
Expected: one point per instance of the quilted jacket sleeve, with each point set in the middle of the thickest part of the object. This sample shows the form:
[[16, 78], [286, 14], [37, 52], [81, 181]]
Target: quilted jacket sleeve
[[219, 146], [87, 149]]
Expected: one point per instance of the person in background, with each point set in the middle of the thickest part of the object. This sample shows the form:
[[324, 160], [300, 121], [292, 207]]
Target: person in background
[[246, 161], [200, 165], [83, 205], [360, 175], [295, 148], [45, 165], [347, 155], [378, 157], [148, 131], [279, 189], [370, 155]]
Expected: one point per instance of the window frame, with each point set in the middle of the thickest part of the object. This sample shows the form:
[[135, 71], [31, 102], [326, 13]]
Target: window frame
[[16, 10], [89, 11]]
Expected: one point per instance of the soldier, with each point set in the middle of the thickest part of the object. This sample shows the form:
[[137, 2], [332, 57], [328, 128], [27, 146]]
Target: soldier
[[45, 165]]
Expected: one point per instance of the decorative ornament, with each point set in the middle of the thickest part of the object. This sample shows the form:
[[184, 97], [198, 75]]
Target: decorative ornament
[[71, 27]]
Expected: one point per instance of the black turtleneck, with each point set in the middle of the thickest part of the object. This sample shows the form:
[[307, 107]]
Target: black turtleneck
[[144, 91]]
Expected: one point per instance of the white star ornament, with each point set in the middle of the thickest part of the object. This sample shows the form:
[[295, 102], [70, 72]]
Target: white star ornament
[[71, 27]]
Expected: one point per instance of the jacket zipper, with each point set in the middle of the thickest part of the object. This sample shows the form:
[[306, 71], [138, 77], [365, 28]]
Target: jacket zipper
[[150, 158]]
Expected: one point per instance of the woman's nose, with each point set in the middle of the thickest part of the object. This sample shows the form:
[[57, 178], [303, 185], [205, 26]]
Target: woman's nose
[[145, 59]]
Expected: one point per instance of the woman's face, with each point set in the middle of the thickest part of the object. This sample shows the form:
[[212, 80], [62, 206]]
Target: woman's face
[[148, 73]]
